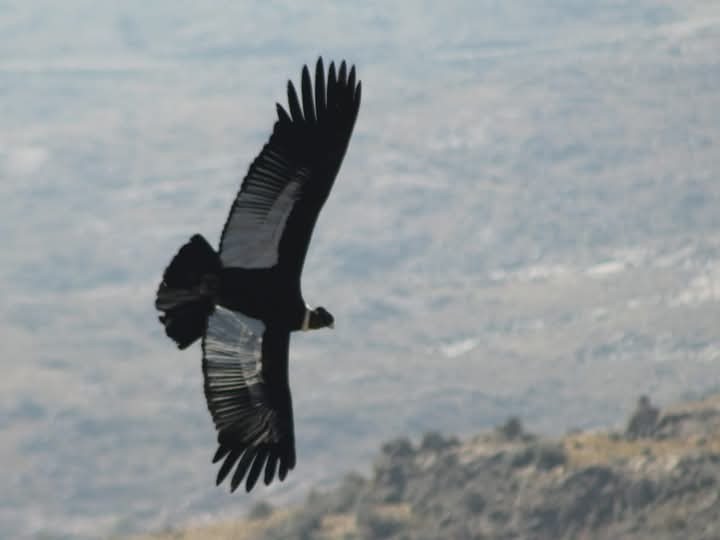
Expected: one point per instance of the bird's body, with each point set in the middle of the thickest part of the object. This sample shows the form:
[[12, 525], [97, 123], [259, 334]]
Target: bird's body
[[246, 299], [264, 295]]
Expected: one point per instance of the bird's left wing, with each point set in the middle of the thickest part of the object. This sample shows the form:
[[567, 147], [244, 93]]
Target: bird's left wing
[[247, 393]]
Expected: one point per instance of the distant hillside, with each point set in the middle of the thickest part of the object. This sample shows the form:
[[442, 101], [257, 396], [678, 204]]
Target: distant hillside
[[659, 479]]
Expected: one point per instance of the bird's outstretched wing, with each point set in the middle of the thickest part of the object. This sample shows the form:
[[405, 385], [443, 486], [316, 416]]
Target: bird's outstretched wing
[[247, 392], [275, 210]]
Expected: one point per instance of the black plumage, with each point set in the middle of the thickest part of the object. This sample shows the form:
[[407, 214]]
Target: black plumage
[[245, 299]]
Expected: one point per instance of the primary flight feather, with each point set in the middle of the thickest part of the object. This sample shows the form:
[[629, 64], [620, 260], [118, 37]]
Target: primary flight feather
[[245, 299]]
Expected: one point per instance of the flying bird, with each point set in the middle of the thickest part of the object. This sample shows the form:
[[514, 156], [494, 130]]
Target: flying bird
[[245, 299]]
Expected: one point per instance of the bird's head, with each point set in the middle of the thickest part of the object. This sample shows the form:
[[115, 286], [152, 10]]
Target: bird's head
[[320, 318]]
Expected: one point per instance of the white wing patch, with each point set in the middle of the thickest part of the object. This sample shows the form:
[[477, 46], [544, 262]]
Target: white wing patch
[[233, 367], [257, 223]]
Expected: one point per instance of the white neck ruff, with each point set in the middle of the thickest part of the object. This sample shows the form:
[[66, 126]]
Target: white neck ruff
[[306, 321]]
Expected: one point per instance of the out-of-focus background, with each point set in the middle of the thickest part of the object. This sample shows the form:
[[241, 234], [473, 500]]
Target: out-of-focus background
[[526, 223]]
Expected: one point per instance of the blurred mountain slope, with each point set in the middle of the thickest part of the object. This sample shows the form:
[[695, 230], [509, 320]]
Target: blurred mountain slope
[[512, 484]]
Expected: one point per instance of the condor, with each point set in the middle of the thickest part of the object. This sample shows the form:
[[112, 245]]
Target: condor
[[245, 299]]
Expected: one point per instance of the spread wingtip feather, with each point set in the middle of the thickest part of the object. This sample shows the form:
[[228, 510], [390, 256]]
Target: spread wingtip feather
[[283, 116], [307, 96], [294, 103]]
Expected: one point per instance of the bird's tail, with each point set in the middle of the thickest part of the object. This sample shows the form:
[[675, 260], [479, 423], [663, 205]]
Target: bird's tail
[[187, 293]]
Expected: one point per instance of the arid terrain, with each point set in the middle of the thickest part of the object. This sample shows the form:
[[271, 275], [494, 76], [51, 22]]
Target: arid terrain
[[659, 478], [526, 224]]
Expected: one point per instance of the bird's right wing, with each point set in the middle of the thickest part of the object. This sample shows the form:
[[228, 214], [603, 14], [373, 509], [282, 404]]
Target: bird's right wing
[[287, 184], [247, 393]]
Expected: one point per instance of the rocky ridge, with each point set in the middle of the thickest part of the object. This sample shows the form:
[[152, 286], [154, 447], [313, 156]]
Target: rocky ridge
[[659, 479]]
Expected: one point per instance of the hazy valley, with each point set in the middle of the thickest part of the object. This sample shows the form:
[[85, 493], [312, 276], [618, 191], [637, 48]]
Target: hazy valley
[[526, 224]]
